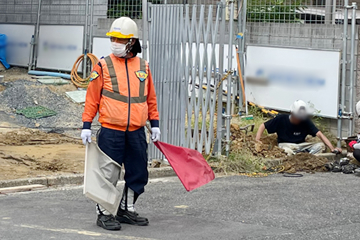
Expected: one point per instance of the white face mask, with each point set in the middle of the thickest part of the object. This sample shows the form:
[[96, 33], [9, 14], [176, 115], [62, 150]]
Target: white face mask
[[118, 49]]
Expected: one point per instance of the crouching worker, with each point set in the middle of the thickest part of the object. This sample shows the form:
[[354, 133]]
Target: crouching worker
[[122, 91], [293, 129], [356, 144]]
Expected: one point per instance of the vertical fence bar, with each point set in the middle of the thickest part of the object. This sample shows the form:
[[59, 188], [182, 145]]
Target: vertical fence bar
[[242, 48], [352, 68], [343, 74], [184, 95], [85, 38], [36, 34], [221, 71], [145, 29], [229, 80], [90, 47]]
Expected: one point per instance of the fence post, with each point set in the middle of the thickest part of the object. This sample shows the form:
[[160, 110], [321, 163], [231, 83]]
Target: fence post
[[36, 36], [86, 37], [352, 68], [221, 71], [229, 80], [328, 11], [145, 28], [90, 47], [343, 74]]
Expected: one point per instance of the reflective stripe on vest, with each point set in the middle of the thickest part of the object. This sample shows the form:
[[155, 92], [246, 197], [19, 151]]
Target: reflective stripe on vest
[[115, 86]]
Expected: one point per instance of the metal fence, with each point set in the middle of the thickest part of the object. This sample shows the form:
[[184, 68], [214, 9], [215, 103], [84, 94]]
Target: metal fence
[[316, 24], [312, 24]]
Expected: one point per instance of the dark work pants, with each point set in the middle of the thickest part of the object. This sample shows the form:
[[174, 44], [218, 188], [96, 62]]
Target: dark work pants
[[130, 149], [356, 154]]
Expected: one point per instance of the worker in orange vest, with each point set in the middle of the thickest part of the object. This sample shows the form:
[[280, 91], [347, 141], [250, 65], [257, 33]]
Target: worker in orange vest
[[121, 89]]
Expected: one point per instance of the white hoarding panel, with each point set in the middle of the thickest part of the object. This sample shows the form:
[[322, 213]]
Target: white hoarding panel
[[19, 38], [276, 77], [101, 47], [59, 46]]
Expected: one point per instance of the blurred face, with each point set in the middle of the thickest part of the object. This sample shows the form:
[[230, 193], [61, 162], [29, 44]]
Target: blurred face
[[121, 47], [295, 120]]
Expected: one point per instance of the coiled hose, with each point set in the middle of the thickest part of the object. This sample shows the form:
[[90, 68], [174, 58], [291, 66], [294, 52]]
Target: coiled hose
[[75, 78]]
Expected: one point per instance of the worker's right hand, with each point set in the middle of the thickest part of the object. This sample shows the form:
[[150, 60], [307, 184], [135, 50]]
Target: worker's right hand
[[86, 136]]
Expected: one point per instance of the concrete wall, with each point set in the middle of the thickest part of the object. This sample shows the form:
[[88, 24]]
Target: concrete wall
[[52, 11]]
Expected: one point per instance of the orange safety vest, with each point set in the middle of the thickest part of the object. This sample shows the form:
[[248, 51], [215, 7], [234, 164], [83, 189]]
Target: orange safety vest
[[128, 97]]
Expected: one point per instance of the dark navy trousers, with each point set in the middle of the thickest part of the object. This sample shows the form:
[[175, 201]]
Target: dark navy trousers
[[130, 149]]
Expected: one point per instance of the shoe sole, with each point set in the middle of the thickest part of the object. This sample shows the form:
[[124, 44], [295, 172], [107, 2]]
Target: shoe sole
[[125, 219], [100, 224]]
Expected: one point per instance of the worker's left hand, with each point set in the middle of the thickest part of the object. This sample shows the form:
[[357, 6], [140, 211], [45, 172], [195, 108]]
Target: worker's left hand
[[155, 134], [337, 150]]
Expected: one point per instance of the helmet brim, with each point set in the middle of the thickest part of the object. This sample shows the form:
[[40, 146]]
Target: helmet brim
[[120, 35]]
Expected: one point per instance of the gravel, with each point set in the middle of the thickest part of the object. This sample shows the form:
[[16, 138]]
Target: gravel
[[22, 93]]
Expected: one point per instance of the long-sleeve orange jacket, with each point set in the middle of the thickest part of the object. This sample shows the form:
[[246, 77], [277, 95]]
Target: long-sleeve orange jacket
[[123, 92]]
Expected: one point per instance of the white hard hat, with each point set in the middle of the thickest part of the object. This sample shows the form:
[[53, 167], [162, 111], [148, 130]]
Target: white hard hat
[[124, 27], [358, 108], [299, 109]]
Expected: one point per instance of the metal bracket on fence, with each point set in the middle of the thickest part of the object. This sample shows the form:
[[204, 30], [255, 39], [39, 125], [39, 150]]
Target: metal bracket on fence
[[220, 5], [149, 15], [227, 116], [346, 115], [350, 7]]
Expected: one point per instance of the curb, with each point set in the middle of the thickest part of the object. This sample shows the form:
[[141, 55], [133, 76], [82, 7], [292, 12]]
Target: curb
[[75, 179]]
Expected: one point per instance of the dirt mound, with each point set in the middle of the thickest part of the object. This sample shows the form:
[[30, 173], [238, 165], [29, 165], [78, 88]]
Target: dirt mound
[[53, 166], [268, 148], [26, 136], [304, 162]]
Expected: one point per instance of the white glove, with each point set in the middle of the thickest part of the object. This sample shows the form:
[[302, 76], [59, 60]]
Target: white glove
[[155, 134], [356, 146], [86, 136], [357, 108]]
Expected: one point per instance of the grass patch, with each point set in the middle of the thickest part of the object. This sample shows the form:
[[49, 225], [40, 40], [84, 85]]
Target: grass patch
[[258, 116], [240, 161]]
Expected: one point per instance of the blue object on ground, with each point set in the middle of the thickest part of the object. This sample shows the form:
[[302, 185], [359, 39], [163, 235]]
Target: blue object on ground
[[3, 44], [52, 74]]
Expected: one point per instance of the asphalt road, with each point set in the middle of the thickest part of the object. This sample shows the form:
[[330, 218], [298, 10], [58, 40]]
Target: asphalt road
[[316, 206]]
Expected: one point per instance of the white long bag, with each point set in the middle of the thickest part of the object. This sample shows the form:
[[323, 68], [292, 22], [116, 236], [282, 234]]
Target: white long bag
[[100, 178]]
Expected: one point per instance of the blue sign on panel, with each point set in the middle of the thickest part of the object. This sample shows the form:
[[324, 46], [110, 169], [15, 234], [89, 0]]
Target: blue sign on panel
[[3, 44]]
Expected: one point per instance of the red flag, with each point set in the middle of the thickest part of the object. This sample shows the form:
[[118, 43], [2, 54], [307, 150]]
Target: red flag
[[190, 166]]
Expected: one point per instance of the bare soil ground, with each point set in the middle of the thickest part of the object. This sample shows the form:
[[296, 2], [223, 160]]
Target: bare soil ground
[[31, 153], [14, 74], [40, 160]]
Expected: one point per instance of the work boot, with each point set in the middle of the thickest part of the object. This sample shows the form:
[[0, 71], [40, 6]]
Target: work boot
[[133, 218], [108, 222], [126, 212]]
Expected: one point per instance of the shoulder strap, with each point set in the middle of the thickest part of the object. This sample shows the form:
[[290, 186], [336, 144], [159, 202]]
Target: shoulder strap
[[113, 77]]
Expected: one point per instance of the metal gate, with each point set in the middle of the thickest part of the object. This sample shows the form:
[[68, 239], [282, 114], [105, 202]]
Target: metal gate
[[186, 58]]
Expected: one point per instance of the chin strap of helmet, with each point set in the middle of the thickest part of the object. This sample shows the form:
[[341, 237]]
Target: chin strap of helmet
[[129, 46]]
